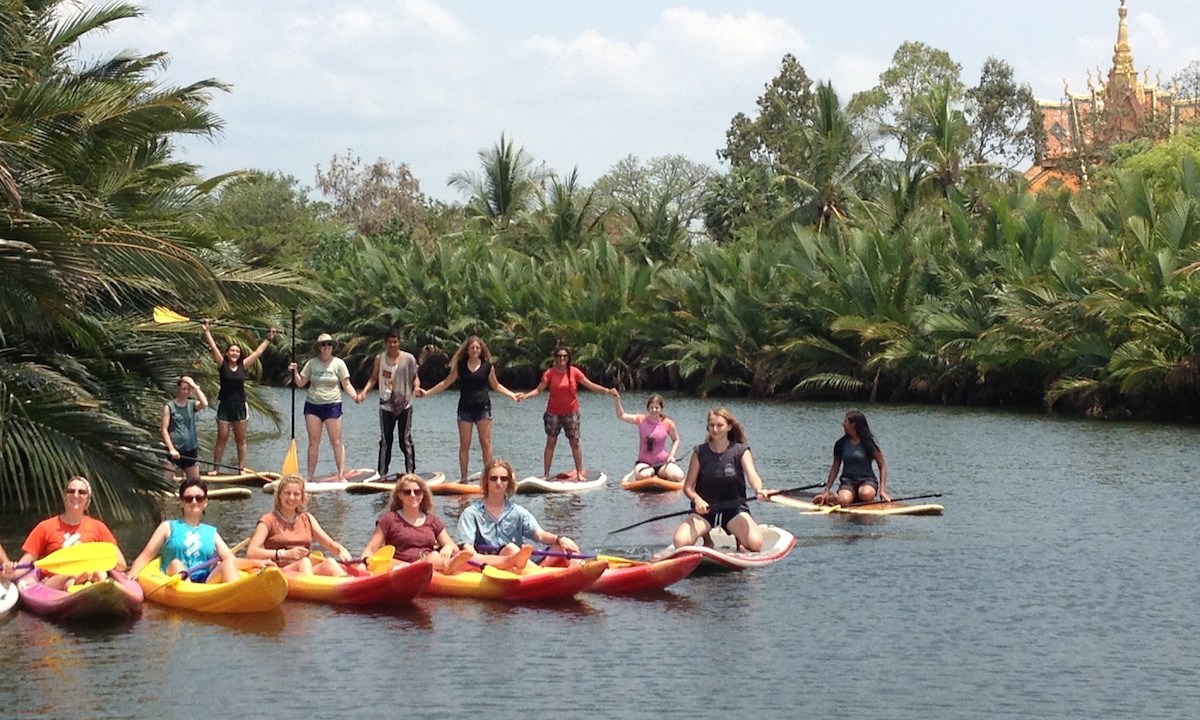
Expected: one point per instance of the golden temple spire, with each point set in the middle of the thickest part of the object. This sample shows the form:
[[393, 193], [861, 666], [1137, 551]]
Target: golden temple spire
[[1123, 73]]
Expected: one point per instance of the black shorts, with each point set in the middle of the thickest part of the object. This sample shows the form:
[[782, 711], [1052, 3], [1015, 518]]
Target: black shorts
[[720, 518], [232, 411], [187, 458], [853, 484]]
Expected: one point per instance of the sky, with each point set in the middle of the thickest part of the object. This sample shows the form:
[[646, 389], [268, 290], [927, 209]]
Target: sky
[[432, 83]]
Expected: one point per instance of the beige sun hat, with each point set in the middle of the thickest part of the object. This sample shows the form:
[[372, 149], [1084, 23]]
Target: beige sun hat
[[324, 338]]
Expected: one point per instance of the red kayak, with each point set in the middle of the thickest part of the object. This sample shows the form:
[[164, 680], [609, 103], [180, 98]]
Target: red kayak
[[399, 585], [624, 577], [114, 598]]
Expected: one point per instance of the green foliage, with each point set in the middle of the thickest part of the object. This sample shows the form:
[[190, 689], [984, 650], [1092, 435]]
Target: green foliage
[[783, 108]]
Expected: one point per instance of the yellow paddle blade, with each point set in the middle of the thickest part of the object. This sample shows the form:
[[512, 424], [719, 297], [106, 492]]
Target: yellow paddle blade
[[381, 560], [166, 315], [617, 560], [291, 463], [81, 558]]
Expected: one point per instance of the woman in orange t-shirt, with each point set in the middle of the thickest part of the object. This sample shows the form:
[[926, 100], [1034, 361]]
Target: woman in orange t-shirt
[[72, 527], [285, 535], [562, 410]]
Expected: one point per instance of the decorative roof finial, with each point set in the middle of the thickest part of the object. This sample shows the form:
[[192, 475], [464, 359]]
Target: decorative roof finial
[[1123, 71]]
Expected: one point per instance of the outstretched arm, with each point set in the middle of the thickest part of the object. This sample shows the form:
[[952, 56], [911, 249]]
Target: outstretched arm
[[262, 346], [624, 416], [498, 387], [212, 344], [445, 383]]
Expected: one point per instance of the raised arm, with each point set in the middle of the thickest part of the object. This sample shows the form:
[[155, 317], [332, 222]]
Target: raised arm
[[262, 346], [201, 400], [626, 417], [212, 344]]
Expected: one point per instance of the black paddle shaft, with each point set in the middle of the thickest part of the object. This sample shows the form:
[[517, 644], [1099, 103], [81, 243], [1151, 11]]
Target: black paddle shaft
[[718, 506]]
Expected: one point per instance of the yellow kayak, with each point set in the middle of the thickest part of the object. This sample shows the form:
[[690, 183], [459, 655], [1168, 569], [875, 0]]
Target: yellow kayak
[[253, 592]]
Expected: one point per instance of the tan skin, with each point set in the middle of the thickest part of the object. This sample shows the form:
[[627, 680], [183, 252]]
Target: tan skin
[[866, 493], [393, 352], [192, 502], [448, 559], [76, 499], [464, 428], [333, 426], [232, 354], [562, 364], [185, 388], [654, 412], [743, 527], [295, 560], [495, 482]]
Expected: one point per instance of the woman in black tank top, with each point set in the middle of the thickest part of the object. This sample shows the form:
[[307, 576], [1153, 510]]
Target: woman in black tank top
[[232, 412]]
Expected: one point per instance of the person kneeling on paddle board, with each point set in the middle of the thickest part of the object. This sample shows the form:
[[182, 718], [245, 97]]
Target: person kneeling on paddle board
[[498, 521], [853, 453], [716, 483]]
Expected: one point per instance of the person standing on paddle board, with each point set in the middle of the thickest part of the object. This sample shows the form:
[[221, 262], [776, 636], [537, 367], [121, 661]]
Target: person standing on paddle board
[[178, 426], [410, 526], [472, 368], [326, 377], [188, 542], [395, 372], [72, 527], [232, 410], [853, 453], [285, 535], [716, 485], [654, 428], [498, 521], [562, 410]]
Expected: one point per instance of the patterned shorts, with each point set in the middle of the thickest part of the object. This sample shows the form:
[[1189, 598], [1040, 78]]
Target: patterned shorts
[[569, 424]]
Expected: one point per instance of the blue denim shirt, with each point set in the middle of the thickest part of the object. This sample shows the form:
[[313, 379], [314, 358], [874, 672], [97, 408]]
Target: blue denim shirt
[[477, 527]]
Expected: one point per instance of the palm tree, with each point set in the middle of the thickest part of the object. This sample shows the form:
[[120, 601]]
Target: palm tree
[[506, 185]]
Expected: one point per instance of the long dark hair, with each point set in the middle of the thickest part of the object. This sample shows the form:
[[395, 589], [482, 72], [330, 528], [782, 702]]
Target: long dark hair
[[865, 437]]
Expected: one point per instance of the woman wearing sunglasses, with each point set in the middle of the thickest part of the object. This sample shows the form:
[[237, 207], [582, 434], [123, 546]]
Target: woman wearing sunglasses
[[562, 410], [72, 527], [326, 377], [410, 526], [188, 542], [498, 521]]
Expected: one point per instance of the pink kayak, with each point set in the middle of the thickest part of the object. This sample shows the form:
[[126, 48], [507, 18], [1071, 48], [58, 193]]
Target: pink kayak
[[116, 597]]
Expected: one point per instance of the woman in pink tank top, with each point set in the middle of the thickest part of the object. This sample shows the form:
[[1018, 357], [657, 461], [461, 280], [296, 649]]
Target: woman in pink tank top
[[655, 455]]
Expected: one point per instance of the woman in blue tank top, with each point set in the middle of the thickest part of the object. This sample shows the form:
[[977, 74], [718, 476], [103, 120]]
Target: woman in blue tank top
[[188, 542], [853, 453]]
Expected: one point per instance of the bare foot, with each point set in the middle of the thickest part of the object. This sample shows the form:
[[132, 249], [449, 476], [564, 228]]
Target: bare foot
[[521, 559], [458, 562], [213, 472]]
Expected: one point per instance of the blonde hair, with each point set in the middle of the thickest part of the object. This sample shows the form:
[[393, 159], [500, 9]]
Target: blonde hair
[[426, 500], [510, 488], [737, 433], [284, 482]]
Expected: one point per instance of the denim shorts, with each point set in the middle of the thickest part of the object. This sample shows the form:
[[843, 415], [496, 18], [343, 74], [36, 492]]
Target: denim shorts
[[474, 416]]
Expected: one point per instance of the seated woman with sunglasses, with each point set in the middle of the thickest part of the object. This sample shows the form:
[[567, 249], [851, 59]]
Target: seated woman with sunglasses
[[497, 521], [188, 542], [285, 535], [415, 532], [72, 527]]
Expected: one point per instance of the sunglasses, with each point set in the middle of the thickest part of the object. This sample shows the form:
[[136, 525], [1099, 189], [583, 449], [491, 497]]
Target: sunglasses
[[412, 491], [325, 344], [498, 478], [194, 498], [75, 491], [562, 355]]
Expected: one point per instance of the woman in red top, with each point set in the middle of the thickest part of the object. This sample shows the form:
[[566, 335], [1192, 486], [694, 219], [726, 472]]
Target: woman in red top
[[72, 527], [562, 411], [410, 526]]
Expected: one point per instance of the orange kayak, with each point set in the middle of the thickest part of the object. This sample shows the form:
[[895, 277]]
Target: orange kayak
[[653, 484], [399, 585], [532, 583], [624, 577]]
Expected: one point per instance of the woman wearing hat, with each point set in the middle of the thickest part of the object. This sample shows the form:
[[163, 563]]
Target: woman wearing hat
[[325, 376]]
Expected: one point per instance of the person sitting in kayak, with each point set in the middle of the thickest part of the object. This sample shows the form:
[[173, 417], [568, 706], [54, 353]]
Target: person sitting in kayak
[[498, 521], [716, 485], [562, 380], [285, 535], [188, 542], [654, 428], [72, 527], [853, 453], [410, 526]]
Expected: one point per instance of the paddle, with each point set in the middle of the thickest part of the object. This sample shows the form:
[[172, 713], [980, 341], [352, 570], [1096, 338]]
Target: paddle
[[186, 574], [74, 559], [166, 316], [495, 573], [718, 506], [291, 462], [379, 562], [895, 500], [248, 471], [572, 556]]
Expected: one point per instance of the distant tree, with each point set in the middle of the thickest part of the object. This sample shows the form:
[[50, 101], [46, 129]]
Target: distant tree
[[267, 219], [670, 179], [783, 108], [506, 185], [891, 106], [1002, 117], [372, 197], [1187, 81]]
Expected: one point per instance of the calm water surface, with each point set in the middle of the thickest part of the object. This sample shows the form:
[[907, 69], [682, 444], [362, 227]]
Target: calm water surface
[[1061, 582]]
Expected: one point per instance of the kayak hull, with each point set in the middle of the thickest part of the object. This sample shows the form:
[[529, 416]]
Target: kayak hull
[[257, 592], [533, 584], [534, 485], [329, 484], [395, 587], [874, 509], [626, 578], [432, 479], [652, 484], [724, 555], [115, 598]]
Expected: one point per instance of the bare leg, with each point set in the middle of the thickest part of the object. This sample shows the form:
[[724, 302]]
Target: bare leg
[[577, 455], [239, 439], [313, 424], [691, 530], [485, 440], [747, 532], [464, 449], [672, 472], [548, 455], [219, 445], [333, 426]]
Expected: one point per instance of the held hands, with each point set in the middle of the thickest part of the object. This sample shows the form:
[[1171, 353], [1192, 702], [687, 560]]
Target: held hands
[[419, 392], [292, 367], [518, 397]]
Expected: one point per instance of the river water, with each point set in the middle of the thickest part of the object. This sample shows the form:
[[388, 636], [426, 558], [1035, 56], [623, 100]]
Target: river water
[[1060, 582]]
